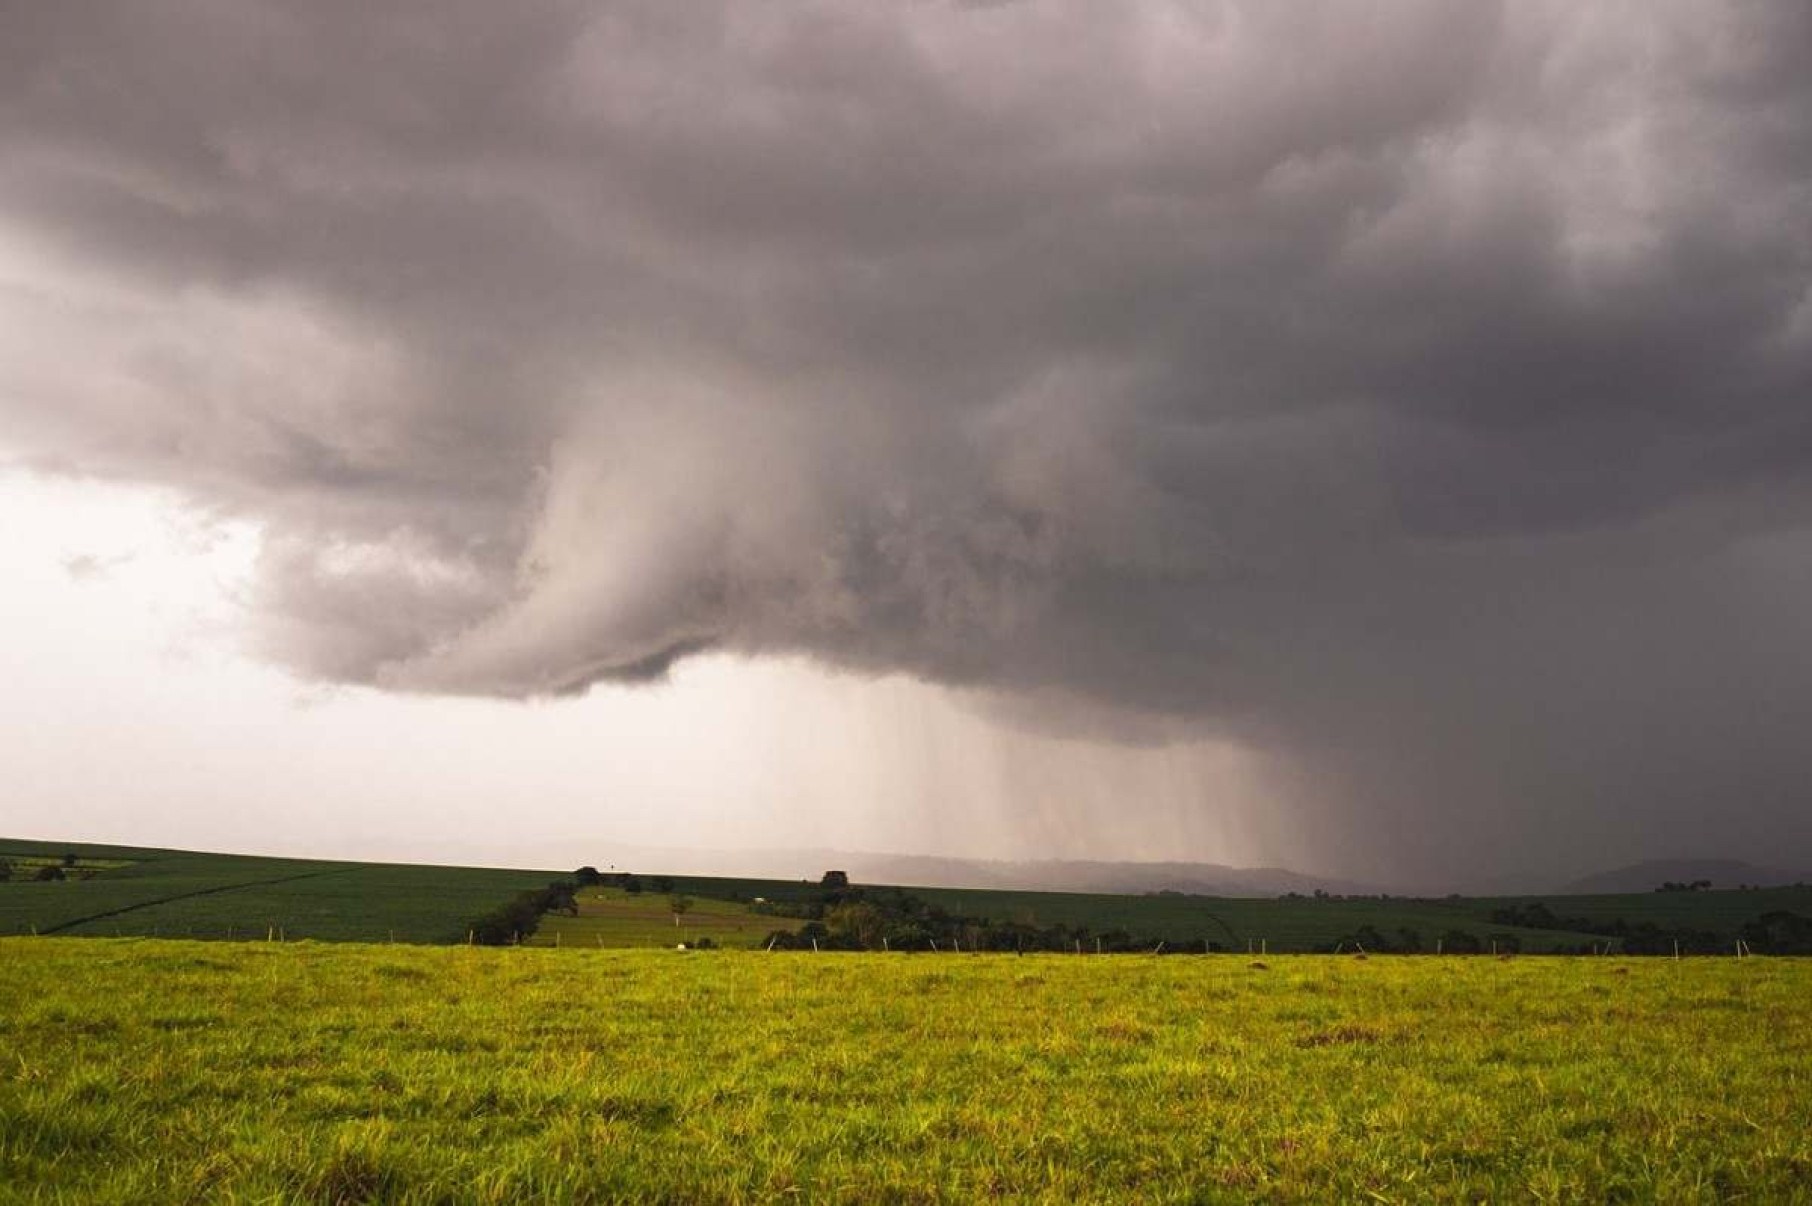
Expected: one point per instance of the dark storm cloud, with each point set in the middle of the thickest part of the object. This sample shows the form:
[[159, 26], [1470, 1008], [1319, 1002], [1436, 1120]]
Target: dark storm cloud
[[1418, 392]]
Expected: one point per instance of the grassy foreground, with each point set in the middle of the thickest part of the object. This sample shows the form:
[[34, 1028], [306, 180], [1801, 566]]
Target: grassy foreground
[[167, 1071]]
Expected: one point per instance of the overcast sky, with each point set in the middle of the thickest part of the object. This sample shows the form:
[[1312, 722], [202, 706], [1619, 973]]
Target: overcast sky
[[1371, 438]]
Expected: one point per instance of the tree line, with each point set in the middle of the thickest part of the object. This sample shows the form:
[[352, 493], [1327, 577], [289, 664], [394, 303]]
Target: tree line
[[520, 916], [838, 915], [1774, 933], [841, 916]]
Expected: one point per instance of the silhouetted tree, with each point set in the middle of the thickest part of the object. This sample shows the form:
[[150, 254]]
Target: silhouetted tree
[[1459, 942], [1779, 933], [587, 877]]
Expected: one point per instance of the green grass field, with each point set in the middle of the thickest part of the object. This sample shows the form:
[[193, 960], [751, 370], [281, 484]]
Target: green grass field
[[175, 1071], [611, 917]]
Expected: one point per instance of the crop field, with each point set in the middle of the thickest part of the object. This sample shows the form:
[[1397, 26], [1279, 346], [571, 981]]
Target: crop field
[[167, 893], [1238, 923], [151, 1071]]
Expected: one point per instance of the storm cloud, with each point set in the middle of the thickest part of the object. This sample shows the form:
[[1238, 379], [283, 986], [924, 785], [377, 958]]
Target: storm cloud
[[1417, 393]]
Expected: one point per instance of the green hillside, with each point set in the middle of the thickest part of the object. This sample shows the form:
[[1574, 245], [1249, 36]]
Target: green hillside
[[122, 891], [125, 891]]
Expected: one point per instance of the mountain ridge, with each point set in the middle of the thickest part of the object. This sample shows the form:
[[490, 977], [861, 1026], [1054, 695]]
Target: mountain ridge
[[1650, 874]]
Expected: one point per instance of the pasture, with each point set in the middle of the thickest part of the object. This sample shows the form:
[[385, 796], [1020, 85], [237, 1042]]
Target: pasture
[[611, 917], [169, 1071]]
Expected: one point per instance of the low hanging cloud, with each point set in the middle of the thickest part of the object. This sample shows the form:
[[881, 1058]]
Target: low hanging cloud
[[1419, 393]]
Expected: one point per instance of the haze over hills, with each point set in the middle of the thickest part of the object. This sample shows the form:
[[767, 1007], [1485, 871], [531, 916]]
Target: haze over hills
[[1196, 878], [1096, 876], [922, 870], [1085, 875], [948, 871], [1649, 875]]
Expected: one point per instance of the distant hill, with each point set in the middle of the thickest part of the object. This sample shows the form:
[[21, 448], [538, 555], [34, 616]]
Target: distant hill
[[1647, 876], [932, 871], [1065, 875]]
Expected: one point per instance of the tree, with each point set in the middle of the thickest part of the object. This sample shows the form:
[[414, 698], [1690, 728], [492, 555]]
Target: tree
[[680, 905], [6, 870], [1780, 933], [587, 877], [858, 921], [69, 858], [48, 875], [835, 880]]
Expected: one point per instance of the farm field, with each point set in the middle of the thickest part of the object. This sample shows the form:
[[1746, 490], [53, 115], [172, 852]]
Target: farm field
[[1308, 923], [167, 1071], [137, 892], [134, 892], [611, 917], [1287, 924]]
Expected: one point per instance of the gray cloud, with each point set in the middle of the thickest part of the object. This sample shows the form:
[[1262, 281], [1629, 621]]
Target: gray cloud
[[88, 567], [1419, 396]]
